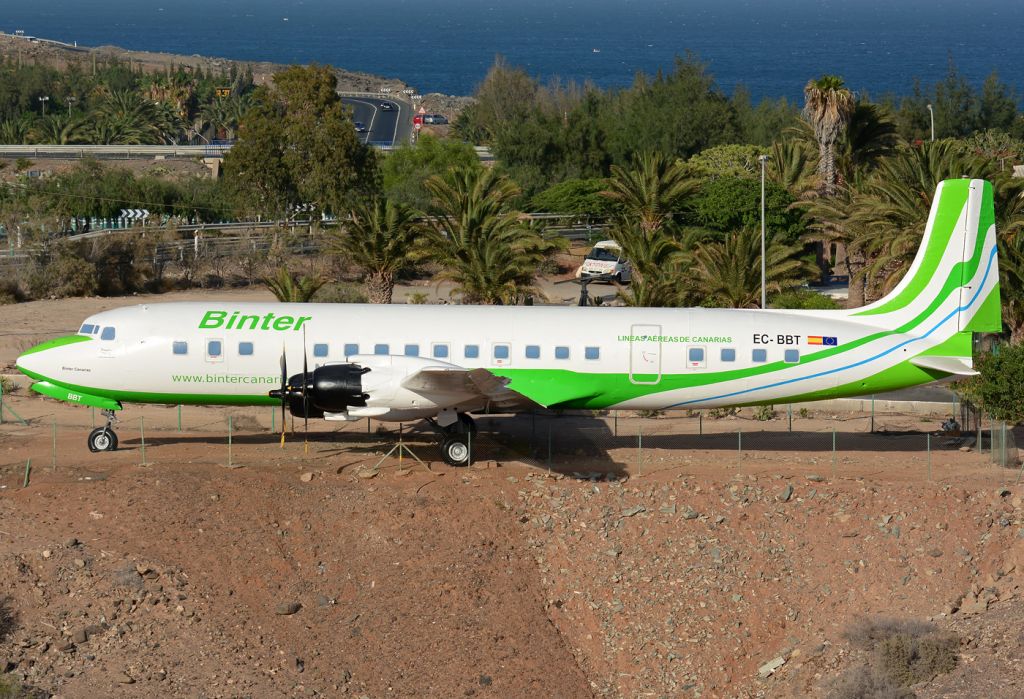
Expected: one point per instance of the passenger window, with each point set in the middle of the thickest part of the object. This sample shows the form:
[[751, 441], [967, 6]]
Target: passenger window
[[501, 351], [759, 355], [108, 333], [412, 350], [561, 353], [440, 351], [320, 350], [696, 354], [381, 349], [179, 347], [592, 353], [245, 349], [533, 351], [792, 356], [214, 348], [471, 351], [351, 348], [728, 354]]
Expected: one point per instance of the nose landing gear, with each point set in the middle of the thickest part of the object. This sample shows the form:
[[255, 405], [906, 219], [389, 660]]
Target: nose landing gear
[[104, 438]]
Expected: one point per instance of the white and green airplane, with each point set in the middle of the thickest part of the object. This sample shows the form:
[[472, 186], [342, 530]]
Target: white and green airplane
[[442, 363]]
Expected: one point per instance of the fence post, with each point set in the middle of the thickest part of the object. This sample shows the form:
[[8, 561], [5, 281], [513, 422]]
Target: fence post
[[142, 437], [700, 423], [739, 440], [92, 411], [639, 449], [833, 453], [615, 414], [53, 452], [872, 413], [549, 445], [231, 429], [789, 410], [28, 472], [179, 417], [273, 420], [929, 457]]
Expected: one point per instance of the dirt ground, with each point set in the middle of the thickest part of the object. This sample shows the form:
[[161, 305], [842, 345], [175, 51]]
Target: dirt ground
[[641, 558]]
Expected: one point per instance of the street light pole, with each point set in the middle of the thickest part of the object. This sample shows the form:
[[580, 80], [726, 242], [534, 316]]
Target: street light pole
[[764, 291], [931, 115], [69, 100], [44, 100]]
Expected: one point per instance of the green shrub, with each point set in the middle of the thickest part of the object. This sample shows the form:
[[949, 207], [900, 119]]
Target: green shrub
[[341, 292], [1000, 386], [7, 386], [416, 297], [803, 299], [901, 653], [764, 412], [63, 272]]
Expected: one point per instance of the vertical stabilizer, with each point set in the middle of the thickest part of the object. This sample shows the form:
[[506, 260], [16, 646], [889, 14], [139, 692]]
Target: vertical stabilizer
[[954, 279]]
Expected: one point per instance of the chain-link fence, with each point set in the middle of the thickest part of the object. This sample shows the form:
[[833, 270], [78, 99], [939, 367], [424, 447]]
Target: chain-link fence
[[591, 444]]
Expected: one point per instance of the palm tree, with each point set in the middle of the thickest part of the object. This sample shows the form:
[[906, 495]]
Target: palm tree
[[657, 260], [728, 272], [652, 192], [793, 165], [380, 239], [479, 239], [15, 131], [890, 209], [827, 107], [59, 129], [293, 288]]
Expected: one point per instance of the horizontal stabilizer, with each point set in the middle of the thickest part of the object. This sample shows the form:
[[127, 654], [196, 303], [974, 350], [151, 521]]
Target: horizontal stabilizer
[[947, 365]]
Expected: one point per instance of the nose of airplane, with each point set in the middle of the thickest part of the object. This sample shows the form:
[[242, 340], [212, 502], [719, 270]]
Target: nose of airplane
[[35, 362]]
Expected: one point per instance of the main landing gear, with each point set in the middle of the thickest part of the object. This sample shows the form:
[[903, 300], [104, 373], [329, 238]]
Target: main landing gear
[[104, 438], [456, 437]]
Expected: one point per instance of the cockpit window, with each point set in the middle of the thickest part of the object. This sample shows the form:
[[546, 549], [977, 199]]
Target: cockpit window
[[87, 329], [109, 333]]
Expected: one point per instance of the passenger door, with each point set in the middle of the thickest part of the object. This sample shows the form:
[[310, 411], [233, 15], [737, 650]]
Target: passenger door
[[645, 354]]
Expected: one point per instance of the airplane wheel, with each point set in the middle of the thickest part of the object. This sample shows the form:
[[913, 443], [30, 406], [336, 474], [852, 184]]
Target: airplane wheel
[[455, 451], [102, 439]]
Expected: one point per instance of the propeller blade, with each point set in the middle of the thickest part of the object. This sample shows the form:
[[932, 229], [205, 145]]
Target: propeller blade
[[305, 394], [284, 391]]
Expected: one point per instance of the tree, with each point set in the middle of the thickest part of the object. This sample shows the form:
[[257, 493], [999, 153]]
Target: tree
[[652, 192], [293, 288], [577, 197], [728, 273], [827, 107], [651, 195], [405, 169], [478, 239], [297, 145], [1000, 386], [381, 240], [678, 114], [728, 203]]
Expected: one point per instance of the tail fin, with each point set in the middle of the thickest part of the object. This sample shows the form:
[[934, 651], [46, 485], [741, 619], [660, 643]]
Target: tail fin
[[954, 279]]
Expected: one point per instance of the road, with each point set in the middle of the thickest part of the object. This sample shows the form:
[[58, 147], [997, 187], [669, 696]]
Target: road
[[385, 127]]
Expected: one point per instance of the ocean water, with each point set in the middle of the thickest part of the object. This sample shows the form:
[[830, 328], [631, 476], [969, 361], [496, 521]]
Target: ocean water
[[771, 46]]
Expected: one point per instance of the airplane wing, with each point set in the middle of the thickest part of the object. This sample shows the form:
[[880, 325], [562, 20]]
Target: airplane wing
[[471, 383]]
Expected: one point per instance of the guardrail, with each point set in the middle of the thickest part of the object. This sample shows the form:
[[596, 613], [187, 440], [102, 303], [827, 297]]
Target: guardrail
[[108, 152]]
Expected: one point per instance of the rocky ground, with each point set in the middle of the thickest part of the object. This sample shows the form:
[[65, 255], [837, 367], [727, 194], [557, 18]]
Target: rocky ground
[[321, 573]]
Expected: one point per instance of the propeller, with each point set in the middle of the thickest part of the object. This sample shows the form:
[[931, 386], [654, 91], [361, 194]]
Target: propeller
[[305, 395], [282, 393]]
